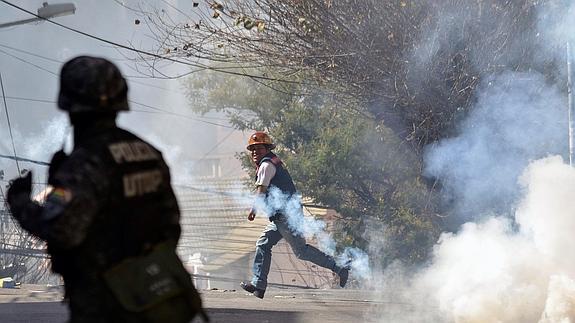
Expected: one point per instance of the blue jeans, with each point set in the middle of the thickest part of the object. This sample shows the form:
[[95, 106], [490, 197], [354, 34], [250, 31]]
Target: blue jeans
[[271, 235]]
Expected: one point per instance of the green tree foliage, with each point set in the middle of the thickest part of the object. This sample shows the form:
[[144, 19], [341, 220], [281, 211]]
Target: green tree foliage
[[353, 90], [338, 157]]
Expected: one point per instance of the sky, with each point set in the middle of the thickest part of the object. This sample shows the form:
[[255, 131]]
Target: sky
[[32, 54]]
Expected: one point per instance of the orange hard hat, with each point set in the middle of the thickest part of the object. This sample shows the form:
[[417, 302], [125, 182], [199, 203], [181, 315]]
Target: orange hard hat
[[260, 138]]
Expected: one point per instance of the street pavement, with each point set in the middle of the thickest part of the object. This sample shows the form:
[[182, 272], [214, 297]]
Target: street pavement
[[36, 303]]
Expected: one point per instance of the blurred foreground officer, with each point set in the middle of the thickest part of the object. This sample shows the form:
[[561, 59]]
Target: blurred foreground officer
[[112, 221]]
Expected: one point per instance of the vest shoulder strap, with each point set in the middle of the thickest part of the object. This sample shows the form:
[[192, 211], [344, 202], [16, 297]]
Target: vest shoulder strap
[[274, 160]]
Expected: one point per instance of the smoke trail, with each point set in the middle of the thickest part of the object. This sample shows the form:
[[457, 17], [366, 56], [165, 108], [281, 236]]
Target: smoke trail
[[511, 264], [518, 118], [506, 269], [310, 228]]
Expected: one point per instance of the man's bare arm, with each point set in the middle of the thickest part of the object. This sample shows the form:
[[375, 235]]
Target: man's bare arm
[[260, 191]]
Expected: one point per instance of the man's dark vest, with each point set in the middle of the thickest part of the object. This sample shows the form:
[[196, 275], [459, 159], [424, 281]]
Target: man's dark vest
[[282, 178]]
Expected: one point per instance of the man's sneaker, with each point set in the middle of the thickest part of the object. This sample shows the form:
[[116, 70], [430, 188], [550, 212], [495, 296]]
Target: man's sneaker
[[343, 274], [248, 287]]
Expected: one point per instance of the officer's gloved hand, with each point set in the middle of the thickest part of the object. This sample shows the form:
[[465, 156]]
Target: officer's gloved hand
[[18, 195], [57, 160]]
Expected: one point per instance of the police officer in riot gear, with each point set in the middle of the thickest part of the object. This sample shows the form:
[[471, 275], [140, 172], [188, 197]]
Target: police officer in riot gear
[[111, 222]]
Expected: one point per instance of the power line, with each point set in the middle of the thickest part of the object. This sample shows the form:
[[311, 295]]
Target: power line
[[61, 62], [143, 52], [25, 61], [157, 110], [216, 146], [18, 98], [16, 158], [180, 115], [9, 125], [31, 54], [205, 190], [138, 103]]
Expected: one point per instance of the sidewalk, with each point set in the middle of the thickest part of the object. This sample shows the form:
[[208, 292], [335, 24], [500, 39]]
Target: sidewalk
[[36, 303]]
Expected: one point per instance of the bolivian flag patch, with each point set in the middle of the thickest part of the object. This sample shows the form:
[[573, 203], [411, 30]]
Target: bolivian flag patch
[[61, 195]]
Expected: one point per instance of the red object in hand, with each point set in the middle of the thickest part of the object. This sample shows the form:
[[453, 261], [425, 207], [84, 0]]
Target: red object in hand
[[252, 215]]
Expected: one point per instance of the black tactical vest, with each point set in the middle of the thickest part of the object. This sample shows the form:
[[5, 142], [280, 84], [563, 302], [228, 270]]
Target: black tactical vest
[[137, 205]]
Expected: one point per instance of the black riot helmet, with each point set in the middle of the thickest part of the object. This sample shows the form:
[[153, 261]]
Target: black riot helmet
[[92, 85]]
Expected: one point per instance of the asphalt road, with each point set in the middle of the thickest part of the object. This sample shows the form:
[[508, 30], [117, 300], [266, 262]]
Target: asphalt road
[[33, 303]]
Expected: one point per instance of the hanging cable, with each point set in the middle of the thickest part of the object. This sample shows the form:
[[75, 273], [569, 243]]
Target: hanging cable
[[216, 145], [156, 110], [9, 125], [131, 101], [150, 54], [16, 158]]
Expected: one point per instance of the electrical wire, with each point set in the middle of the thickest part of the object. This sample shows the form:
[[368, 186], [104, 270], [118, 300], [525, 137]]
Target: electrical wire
[[216, 146], [55, 61], [146, 53], [181, 115], [31, 54], [130, 77], [9, 125], [23, 60], [157, 110], [131, 101], [16, 158]]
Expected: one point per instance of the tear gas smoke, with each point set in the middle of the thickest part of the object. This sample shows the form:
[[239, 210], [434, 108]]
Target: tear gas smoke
[[309, 228], [500, 270], [55, 134], [493, 272], [556, 26], [50, 137], [504, 171], [517, 118]]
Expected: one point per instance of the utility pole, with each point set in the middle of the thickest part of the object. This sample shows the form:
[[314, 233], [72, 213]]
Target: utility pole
[[571, 107]]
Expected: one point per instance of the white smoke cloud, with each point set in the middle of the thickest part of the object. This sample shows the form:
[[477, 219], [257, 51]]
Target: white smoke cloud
[[54, 135], [517, 118], [50, 137], [560, 305], [310, 228], [547, 212], [495, 272], [556, 26], [504, 171]]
